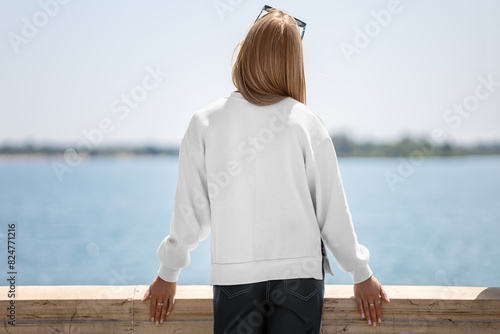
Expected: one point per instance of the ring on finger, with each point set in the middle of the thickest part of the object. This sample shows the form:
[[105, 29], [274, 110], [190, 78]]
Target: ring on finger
[[161, 304]]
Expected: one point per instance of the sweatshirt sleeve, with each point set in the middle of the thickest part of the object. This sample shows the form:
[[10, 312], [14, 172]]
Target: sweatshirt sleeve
[[190, 221], [332, 212]]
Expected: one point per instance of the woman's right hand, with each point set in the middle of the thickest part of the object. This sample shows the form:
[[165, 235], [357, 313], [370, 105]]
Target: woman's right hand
[[160, 291], [368, 294]]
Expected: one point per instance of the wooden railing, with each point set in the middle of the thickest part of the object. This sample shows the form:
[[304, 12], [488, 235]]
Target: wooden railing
[[118, 309]]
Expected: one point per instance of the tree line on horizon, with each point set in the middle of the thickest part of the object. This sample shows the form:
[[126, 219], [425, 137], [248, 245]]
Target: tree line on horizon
[[344, 145]]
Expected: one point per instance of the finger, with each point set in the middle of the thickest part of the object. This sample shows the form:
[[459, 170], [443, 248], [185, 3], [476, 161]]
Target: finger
[[158, 309], [378, 310], [384, 295], [146, 295], [360, 307], [163, 311], [170, 304], [373, 313], [152, 308], [366, 307]]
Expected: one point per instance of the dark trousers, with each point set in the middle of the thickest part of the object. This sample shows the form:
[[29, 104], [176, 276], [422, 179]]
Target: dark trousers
[[291, 306]]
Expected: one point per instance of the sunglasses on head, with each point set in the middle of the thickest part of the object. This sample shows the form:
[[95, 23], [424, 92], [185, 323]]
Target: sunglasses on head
[[301, 24]]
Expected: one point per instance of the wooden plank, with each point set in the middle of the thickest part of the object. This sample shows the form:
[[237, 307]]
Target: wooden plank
[[118, 309], [417, 309]]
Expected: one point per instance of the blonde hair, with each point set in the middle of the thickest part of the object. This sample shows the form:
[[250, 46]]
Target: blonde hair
[[270, 64]]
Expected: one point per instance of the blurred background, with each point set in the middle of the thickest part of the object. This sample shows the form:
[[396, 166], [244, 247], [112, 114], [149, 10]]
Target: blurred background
[[96, 96]]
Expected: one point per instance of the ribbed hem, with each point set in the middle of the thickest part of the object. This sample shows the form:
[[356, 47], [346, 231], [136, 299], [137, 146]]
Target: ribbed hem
[[258, 271], [361, 275], [169, 274]]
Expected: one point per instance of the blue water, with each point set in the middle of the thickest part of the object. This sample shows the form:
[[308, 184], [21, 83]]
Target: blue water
[[103, 223]]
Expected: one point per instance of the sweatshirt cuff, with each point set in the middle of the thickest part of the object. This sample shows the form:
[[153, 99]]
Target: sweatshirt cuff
[[168, 274], [361, 275]]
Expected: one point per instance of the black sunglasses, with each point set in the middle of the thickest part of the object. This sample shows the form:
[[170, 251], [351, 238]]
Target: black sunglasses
[[300, 23]]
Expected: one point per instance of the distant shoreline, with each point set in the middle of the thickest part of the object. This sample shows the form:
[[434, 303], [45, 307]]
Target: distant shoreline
[[61, 155], [4, 157], [344, 147]]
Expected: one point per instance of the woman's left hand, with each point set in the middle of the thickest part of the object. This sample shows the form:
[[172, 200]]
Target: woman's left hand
[[162, 295], [368, 294]]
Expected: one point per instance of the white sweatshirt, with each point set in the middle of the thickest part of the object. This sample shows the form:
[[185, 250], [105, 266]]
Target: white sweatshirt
[[265, 181]]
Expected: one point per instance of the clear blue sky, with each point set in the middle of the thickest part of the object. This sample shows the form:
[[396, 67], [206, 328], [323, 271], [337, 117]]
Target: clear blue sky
[[71, 72]]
